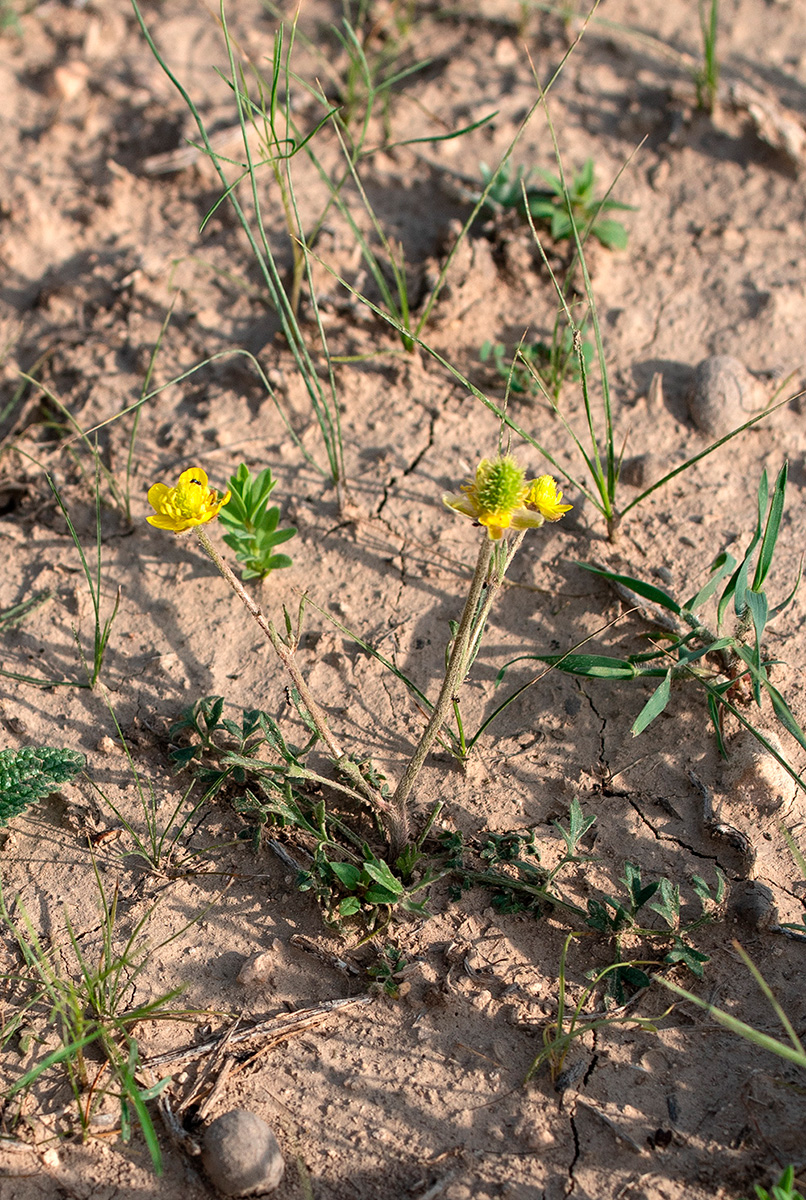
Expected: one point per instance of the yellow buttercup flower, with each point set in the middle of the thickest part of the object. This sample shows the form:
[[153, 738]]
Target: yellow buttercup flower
[[191, 502], [496, 498], [545, 496]]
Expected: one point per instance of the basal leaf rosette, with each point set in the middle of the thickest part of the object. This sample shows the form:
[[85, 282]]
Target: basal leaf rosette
[[192, 502], [500, 498]]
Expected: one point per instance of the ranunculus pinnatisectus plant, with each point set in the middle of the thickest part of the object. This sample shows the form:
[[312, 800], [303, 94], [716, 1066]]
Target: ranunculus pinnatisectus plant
[[498, 498]]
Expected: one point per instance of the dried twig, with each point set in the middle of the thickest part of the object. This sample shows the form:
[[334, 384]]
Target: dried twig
[[275, 1030]]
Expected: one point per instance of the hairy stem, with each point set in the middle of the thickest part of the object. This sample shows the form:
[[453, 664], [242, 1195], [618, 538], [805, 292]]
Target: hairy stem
[[454, 676]]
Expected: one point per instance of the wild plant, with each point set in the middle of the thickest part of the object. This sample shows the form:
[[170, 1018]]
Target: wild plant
[[252, 525], [729, 665], [540, 365], [562, 206], [265, 113], [784, 1189], [513, 870], [792, 1050], [33, 773], [560, 1035], [498, 499], [706, 77], [90, 1009]]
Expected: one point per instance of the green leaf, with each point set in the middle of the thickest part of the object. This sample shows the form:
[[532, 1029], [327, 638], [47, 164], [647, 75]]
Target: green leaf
[[767, 551], [611, 234], [722, 565], [689, 957], [31, 774], [654, 705], [593, 666], [347, 873], [379, 871], [647, 590], [380, 895], [349, 906]]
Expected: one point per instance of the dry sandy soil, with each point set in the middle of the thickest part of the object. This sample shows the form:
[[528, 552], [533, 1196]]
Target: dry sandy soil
[[422, 1096]]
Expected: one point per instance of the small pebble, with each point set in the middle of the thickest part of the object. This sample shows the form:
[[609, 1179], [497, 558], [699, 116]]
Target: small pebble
[[723, 395], [241, 1155]]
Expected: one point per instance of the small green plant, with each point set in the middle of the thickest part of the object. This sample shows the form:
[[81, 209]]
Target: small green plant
[[90, 1007], [9, 18], [265, 108], [560, 1035], [784, 1189], [792, 1050], [560, 205], [33, 773], [539, 363], [706, 77], [520, 883], [387, 973], [729, 666], [252, 525], [281, 792]]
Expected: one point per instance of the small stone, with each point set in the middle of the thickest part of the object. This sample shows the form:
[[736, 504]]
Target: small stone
[[723, 395], [107, 746], [241, 1155], [256, 971], [753, 905]]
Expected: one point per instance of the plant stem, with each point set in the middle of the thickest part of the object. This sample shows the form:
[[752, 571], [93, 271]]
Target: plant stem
[[395, 822], [457, 669], [283, 652]]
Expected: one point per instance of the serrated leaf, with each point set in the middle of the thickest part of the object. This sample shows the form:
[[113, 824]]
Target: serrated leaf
[[32, 773]]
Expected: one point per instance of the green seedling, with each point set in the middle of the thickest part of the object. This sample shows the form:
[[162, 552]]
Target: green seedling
[[91, 1009], [252, 525], [562, 207], [537, 366], [706, 77], [33, 773], [791, 1050], [387, 973], [263, 113], [729, 666], [559, 1037], [521, 883], [9, 18], [93, 578], [280, 792], [784, 1189]]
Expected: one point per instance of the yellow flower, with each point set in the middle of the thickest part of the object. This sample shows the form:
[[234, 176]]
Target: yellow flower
[[495, 497], [190, 503], [545, 496]]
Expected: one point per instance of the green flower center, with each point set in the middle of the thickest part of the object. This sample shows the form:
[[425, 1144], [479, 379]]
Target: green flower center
[[499, 485]]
